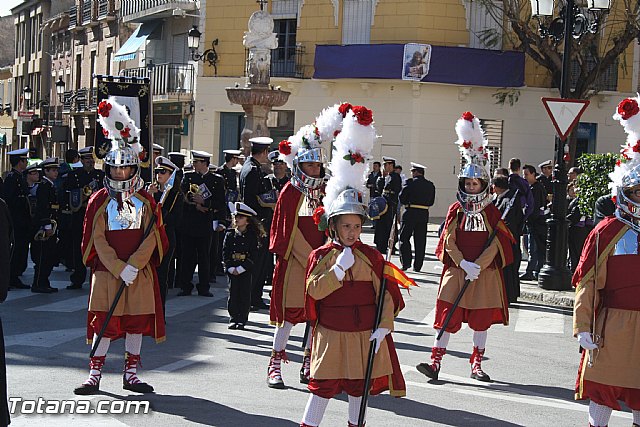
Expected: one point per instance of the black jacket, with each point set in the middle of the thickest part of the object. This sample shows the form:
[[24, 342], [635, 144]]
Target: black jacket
[[47, 205], [211, 187], [16, 192], [239, 249], [418, 191], [390, 188], [515, 217], [253, 182]]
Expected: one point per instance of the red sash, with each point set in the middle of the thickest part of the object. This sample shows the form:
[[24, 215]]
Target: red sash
[[352, 308], [623, 289], [124, 242], [471, 243]]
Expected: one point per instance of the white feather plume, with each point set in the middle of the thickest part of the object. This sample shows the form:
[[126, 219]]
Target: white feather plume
[[352, 152], [118, 125], [627, 114]]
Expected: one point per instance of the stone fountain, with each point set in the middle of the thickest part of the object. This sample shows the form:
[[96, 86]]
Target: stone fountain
[[257, 98]]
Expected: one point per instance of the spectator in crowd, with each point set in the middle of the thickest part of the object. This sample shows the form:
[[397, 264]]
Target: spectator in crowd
[[398, 170], [546, 170], [579, 227], [536, 225], [604, 207], [371, 180], [501, 172], [573, 173]]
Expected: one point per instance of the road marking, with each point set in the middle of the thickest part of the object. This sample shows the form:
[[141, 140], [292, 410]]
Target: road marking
[[198, 358], [68, 305], [179, 305], [46, 339], [501, 392], [540, 322]]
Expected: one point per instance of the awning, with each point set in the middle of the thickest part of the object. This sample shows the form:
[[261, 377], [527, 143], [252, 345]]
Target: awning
[[129, 49]]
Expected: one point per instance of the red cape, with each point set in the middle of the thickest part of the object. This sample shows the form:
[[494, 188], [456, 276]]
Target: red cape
[[96, 206], [607, 229], [394, 382], [285, 220], [493, 217]]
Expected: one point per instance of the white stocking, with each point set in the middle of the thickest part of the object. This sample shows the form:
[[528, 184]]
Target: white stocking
[[281, 336], [307, 344], [103, 347], [133, 343], [599, 414], [354, 409], [443, 342], [314, 410], [636, 417], [480, 339]]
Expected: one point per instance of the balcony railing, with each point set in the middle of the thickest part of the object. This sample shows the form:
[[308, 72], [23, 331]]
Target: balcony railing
[[93, 99], [169, 78], [136, 9], [81, 99], [67, 100], [73, 17], [87, 12]]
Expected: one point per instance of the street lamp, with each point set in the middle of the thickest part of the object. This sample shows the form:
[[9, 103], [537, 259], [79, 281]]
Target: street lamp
[[209, 55], [60, 88], [554, 274], [27, 92]]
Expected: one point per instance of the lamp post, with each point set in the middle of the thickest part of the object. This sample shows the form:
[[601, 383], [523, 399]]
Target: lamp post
[[209, 55], [571, 24], [60, 92], [44, 103]]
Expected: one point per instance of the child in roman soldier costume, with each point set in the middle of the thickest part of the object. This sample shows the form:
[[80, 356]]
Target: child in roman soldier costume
[[468, 225], [294, 234], [344, 281], [606, 314], [115, 247]]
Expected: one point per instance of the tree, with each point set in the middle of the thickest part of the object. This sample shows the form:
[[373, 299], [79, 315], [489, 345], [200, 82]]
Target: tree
[[594, 53], [593, 182]]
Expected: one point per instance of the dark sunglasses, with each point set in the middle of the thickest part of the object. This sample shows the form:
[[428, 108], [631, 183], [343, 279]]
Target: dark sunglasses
[[162, 171]]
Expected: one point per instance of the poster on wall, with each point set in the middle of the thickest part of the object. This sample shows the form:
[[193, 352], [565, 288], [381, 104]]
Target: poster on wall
[[416, 61], [134, 94]]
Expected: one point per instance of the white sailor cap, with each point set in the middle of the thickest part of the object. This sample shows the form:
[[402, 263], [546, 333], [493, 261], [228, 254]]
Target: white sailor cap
[[274, 156], [234, 153], [158, 147], [20, 152], [51, 162], [200, 155], [162, 163], [86, 151], [176, 154], [545, 164], [34, 166], [417, 166], [387, 159], [263, 141], [239, 208], [76, 165]]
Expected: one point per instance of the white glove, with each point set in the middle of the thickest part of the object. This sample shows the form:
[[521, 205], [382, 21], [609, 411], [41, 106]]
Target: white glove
[[585, 341], [346, 259], [338, 272], [129, 274], [231, 270], [471, 268], [240, 269], [379, 335]]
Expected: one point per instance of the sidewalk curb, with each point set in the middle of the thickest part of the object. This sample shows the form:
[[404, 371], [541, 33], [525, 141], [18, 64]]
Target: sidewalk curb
[[553, 298]]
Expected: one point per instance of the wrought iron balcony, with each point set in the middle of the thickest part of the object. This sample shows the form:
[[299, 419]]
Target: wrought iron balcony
[[67, 99], [81, 100], [142, 10], [286, 61], [93, 99], [168, 79]]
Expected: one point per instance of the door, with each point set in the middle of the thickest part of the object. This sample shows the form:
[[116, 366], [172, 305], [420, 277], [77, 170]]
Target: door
[[231, 125]]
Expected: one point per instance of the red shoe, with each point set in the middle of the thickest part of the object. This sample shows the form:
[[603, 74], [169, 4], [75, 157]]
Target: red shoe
[[476, 366], [274, 373], [432, 369]]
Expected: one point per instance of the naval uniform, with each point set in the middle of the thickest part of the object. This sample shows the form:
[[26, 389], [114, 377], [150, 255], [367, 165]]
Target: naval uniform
[[253, 184], [417, 195], [197, 228], [77, 182], [43, 252], [239, 250], [16, 192], [389, 186]]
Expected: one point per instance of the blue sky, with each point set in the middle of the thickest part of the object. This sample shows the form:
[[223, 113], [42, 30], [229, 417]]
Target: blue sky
[[6, 5]]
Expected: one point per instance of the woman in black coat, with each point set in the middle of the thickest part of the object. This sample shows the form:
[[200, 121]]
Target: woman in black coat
[[6, 243], [579, 228]]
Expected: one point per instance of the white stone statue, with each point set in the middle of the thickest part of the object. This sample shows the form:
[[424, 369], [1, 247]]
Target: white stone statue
[[260, 40]]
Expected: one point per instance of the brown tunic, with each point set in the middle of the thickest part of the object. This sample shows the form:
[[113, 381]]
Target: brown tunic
[[343, 355]]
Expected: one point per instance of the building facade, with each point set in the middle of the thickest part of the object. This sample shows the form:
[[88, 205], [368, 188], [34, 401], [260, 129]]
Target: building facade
[[348, 50]]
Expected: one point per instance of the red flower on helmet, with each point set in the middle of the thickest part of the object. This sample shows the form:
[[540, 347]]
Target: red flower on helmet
[[636, 147], [125, 133], [614, 199], [105, 132], [284, 147], [467, 115], [344, 109], [103, 108], [363, 115], [628, 108], [466, 144], [618, 162], [336, 133], [317, 214]]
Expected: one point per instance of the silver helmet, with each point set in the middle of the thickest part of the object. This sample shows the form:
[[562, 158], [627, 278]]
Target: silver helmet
[[627, 210], [301, 180], [349, 201], [124, 155], [473, 203]]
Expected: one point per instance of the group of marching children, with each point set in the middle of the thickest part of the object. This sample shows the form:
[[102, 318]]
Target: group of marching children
[[344, 291]]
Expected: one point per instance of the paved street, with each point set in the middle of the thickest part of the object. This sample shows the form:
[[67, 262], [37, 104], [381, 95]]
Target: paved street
[[206, 374]]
